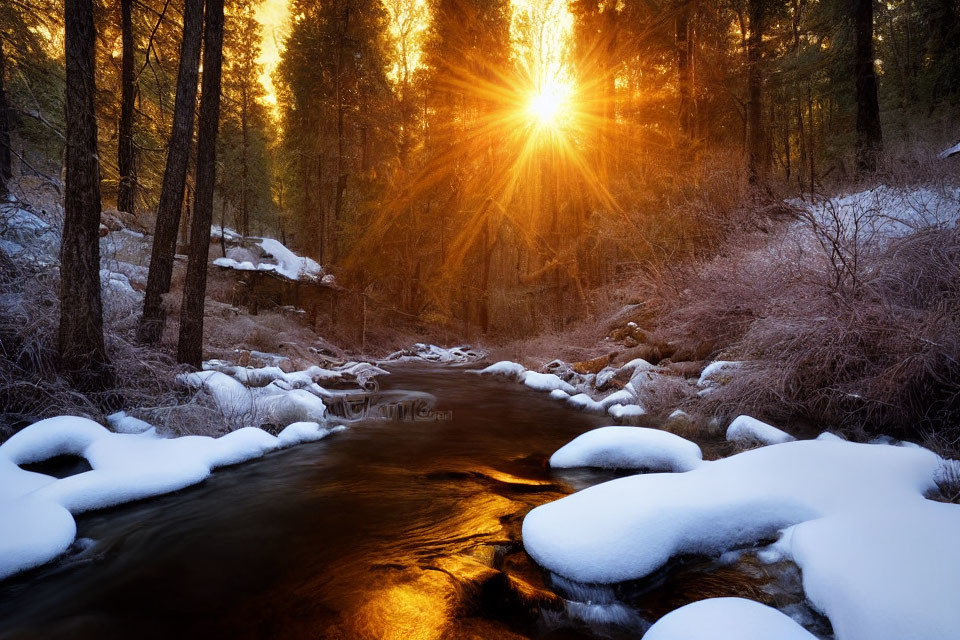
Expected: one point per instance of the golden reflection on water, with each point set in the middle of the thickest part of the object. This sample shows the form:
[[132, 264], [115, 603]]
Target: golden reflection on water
[[418, 608]]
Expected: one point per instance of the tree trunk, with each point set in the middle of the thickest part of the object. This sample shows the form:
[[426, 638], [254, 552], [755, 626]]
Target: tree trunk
[[341, 184], [245, 139], [126, 161], [684, 53], [6, 171], [754, 81], [83, 358], [174, 177], [869, 136], [190, 346]]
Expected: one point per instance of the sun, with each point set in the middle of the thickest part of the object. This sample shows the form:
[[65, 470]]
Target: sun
[[550, 104]]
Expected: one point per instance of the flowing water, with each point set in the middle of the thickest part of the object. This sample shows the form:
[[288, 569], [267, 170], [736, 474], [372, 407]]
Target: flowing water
[[405, 528]]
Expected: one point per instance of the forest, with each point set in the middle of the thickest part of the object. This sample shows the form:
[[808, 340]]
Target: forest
[[505, 297]]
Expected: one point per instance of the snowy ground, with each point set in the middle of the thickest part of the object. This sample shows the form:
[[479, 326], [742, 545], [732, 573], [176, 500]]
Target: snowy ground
[[879, 559]]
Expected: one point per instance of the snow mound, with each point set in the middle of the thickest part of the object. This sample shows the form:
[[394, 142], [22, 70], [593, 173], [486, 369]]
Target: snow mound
[[883, 573], [547, 382], [629, 448], [627, 528], [36, 524], [747, 430], [727, 619], [505, 368]]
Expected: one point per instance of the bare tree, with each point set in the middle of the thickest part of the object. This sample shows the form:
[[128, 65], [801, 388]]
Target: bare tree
[[190, 347], [126, 162], [174, 177], [83, 357]]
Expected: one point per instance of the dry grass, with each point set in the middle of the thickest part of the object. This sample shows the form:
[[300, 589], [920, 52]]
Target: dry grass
[[31, 388]]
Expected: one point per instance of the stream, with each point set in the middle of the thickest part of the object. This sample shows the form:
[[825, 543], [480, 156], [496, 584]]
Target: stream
[[405, 528]]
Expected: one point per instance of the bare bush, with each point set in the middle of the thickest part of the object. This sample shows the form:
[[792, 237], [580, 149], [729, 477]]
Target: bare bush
[[31, 389], [851, 319]]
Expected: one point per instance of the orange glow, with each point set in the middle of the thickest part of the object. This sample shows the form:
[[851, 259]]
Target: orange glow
[[550, 104], [274, 18]]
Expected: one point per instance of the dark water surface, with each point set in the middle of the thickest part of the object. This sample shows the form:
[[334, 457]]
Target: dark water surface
[[406, 529]]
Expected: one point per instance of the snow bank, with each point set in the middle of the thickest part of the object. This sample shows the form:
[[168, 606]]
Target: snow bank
[[629, 448], [727, 619], [626, 528], [883, 573], [36, 524], [289, 265], [747, 430], [433, 353]]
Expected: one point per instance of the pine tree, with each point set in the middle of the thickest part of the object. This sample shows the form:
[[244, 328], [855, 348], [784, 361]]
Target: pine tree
[[190, 346], [83, 358], [174, 178], [869, 135], [126, 160]]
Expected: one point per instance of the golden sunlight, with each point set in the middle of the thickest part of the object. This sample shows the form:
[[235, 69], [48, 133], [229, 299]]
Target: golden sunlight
[[541, 31], [550, 104], [273, 16]]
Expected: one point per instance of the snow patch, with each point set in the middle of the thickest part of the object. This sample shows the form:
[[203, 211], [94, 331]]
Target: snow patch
[[747, 430], [629, 448]]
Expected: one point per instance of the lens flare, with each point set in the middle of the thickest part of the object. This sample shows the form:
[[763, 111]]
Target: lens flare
[[550, 104]]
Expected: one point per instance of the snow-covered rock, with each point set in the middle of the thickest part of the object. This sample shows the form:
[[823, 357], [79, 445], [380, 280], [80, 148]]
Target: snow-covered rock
[[547, 382], [433, 353], [718, 372], [583, 402], [289, 264], [627, 528], [122, 423], [626, 411], [727, 619], [505, 368], [629, 448], [746, 431], [231, 396]]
